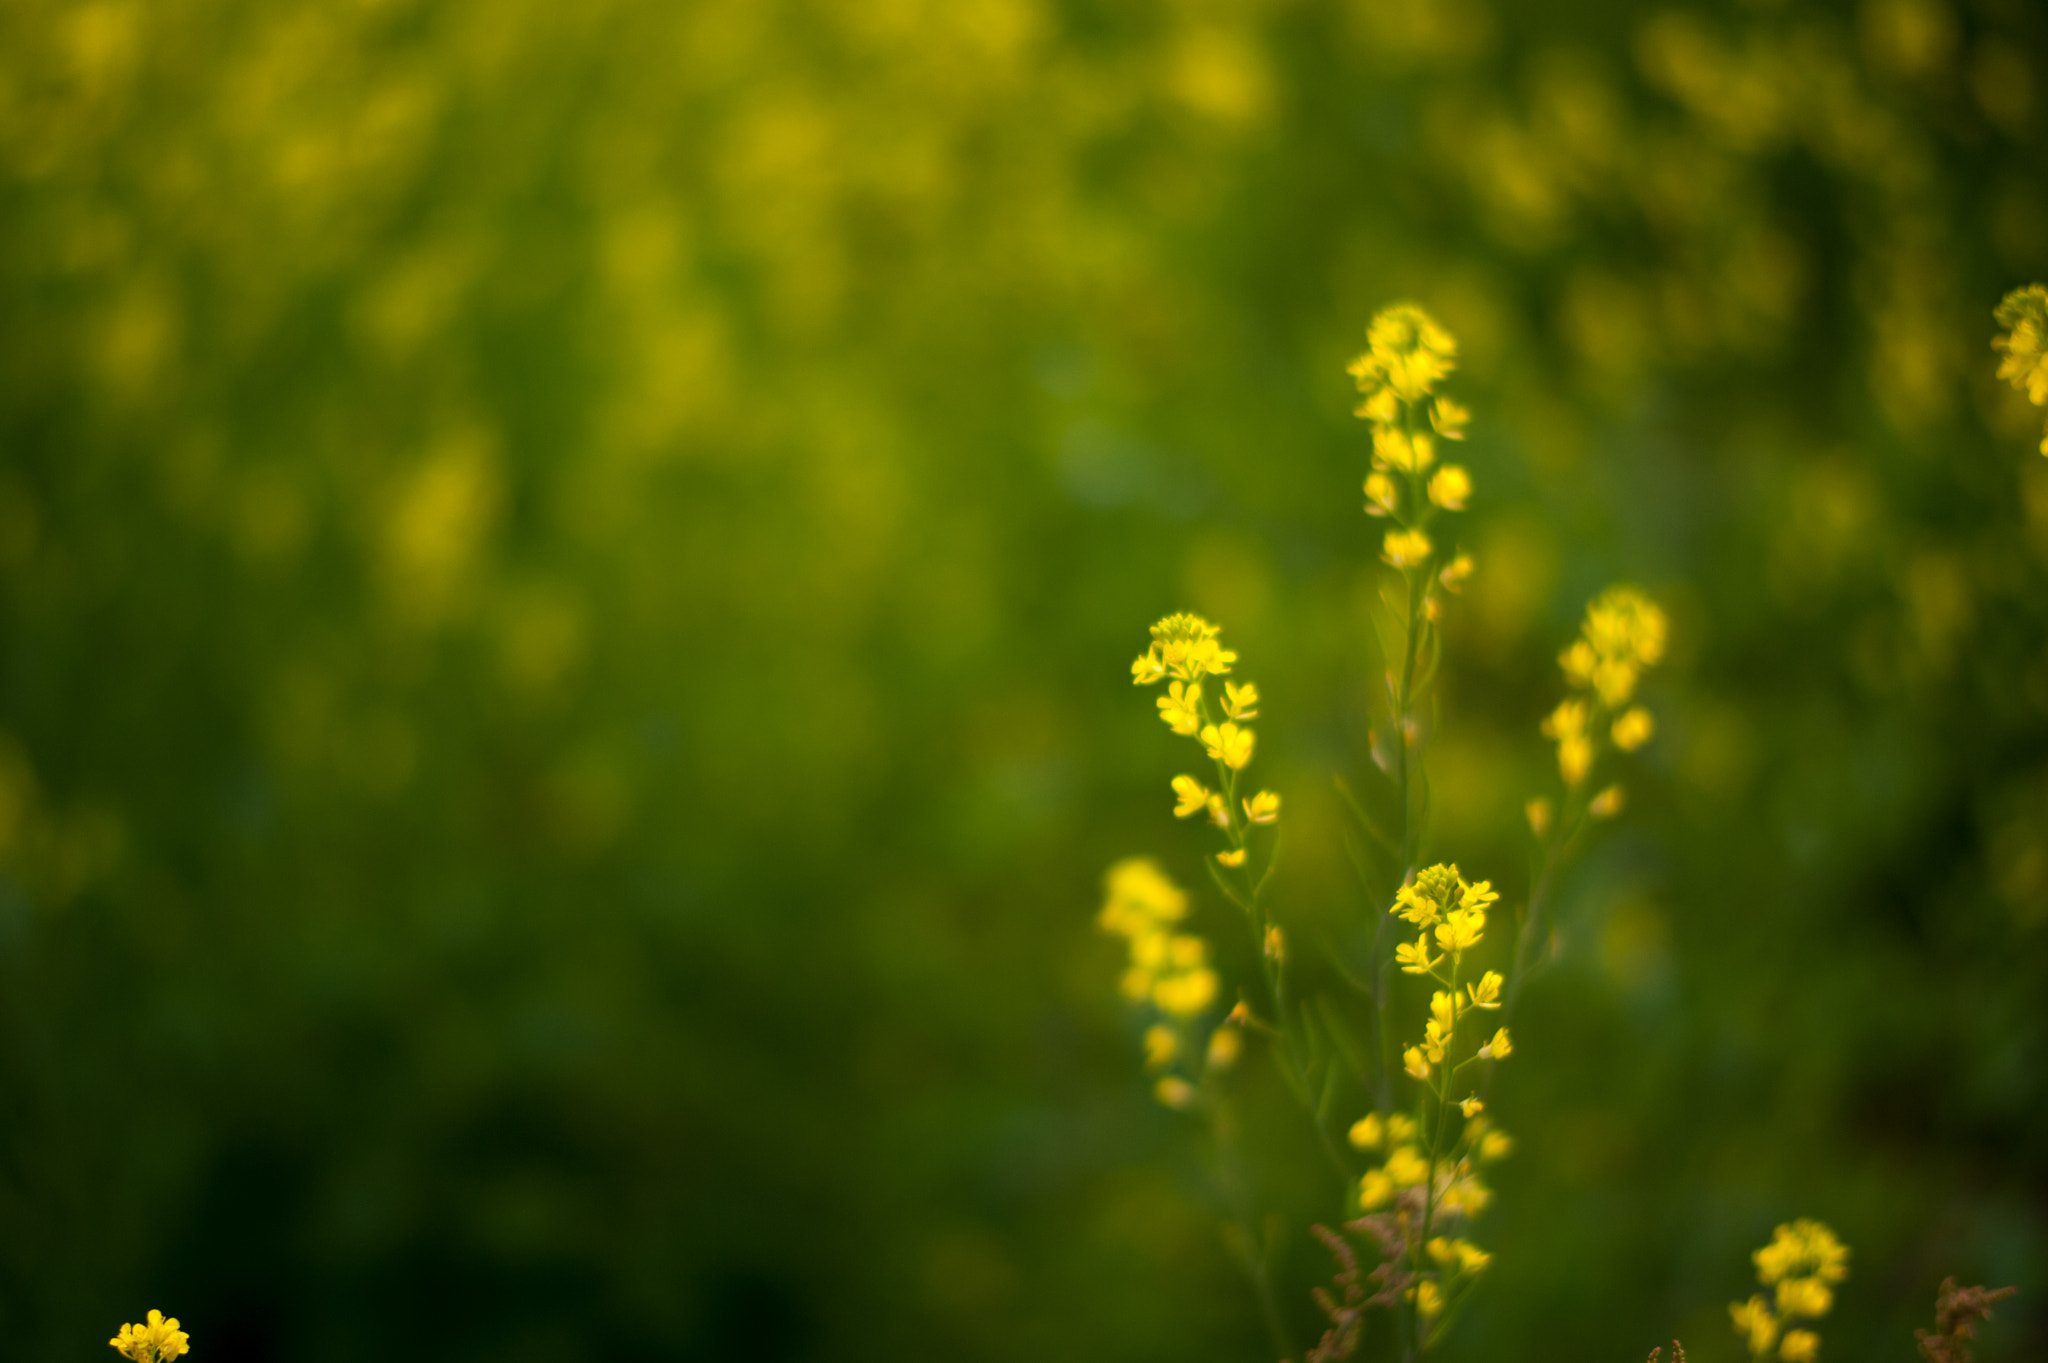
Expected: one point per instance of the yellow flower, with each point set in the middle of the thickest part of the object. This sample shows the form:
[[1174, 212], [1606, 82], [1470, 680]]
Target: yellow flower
[[1139, 898], [1461, 930], [1450, 487], [1190, 796], [1229, 744], [1429, 1299], [1578, 662], [1623, 633], [1499, 1048], [1443, 1009], [1414, 1064], [1148, 668], [1263, 808], [1417, 905], [1402, 1128], [1151, 951], [1394, 448], [1486, 993], [1802, 1259], [1403, 329], [1383, 407], [1435, 890], [156, 1342], [1241, 702], [1406, 352], [1471, 1107], [1160, 1046], [1621, 622], [1407, 1168], [1456, 573], [1538, 812], [1175, 1092], [1449, 419], [1185, 995], [1235, 857], [1406, 548], [1495, 1145], [1186, 646], [1461, 1256], [1275, 943], [1804, 1297], [2024, 314], [1169, 971], [1804, 1248], [1634, 729], [1381, 497], [1414, 958], [1466, 1196], [1367, 1132], [1608, 803], [1219, 812], [1224, 1045], [1799, 1346], [1615, 680], [1755, 1323], [1374, 1189], [1567, 724], [1181, 707]]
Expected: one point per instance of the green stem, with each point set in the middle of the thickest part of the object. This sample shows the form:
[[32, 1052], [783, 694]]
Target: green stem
[[1252, 1254], [1436, 1145], [1404, 700]]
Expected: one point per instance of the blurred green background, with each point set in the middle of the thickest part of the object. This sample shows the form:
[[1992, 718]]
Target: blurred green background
[[568, 573]]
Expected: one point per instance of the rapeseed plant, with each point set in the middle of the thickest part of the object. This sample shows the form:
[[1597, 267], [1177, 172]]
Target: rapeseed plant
[[1409, 1173], [2024, 343], [158, 1341], [1802, 1263], [1428, 1193], [1169, 971], [1622, 637], [1421, 1184]]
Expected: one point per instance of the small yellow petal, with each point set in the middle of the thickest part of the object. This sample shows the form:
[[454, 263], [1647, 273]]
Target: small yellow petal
[[1450, 487]]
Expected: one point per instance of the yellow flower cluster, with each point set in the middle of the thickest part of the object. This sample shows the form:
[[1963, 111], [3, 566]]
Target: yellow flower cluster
[[1169, 970], [1802, 1262], [1459, 1190], [2024, 315], [1622, 637], [1407, 355], [1439, 899], [1420, 1203], [1183, 646], [1428, 1180], [1184, 650], [159, 1341]]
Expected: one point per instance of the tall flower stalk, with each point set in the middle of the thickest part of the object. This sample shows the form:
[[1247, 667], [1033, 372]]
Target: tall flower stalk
[[1409, 1179]]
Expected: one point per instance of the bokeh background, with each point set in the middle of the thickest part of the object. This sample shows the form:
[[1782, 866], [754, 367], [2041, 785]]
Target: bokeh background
[[568, 574]]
